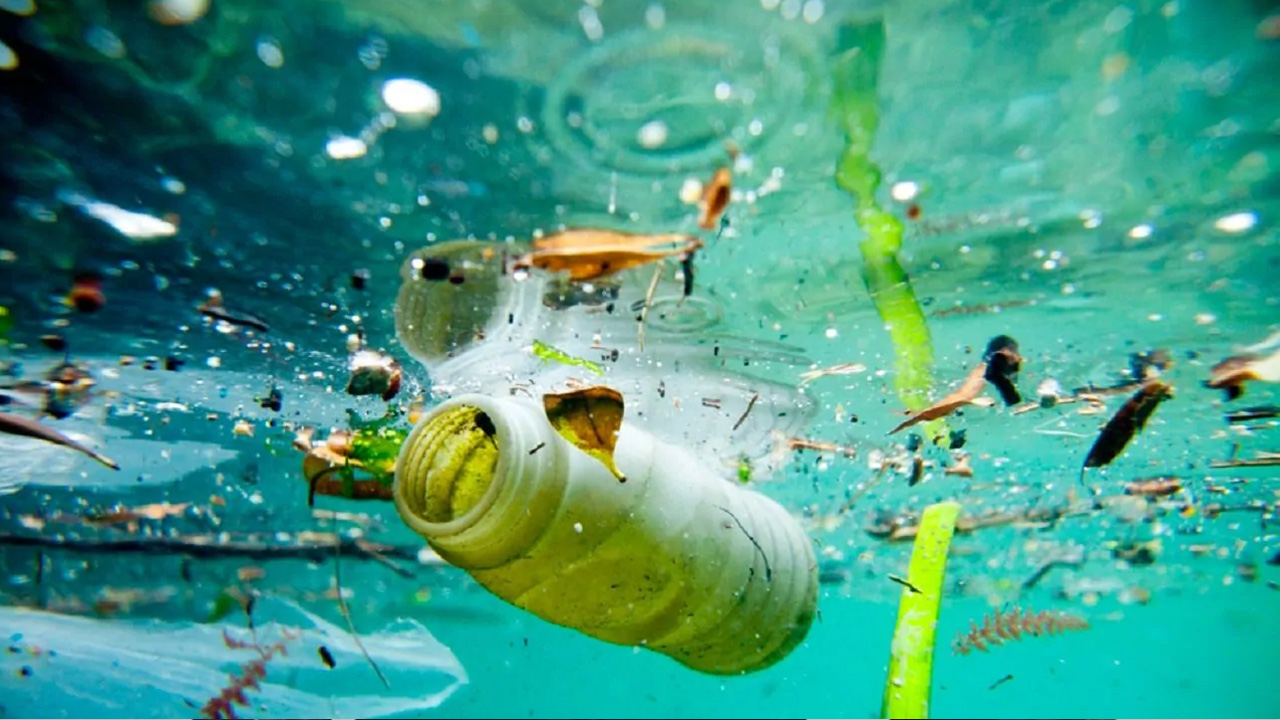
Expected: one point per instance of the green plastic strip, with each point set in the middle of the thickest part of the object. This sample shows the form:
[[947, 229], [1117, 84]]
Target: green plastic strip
[[856, 72], [906, 692]]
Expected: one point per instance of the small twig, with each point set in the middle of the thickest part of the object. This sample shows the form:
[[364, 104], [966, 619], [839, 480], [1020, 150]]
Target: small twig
[[648, 300], [1039, 429], [346, 615], [254, 547], [865, 489], [768, 571], [1001, 681], [1063, 433], [1264, 460], [373, 551], [1044, 569], [905, 583], [821, 446], [751, 404]]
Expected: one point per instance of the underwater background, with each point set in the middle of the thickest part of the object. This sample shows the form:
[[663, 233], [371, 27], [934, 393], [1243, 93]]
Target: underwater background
[[210, 210]]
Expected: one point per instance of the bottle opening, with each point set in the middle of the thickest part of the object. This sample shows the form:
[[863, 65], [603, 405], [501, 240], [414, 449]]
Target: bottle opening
[[450, 466]]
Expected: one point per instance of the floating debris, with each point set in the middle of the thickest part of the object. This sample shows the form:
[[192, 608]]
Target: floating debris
[[1263, 459], [1092, 400], [1231, 374], [587, 254], [374, 373], [66, 387], [1074, 560], [966, 395], [1137, 553], [330, 467], [750, 404], [359, 279], [999, 627], [1129, 420], [715, 198], [212, 307], [1154, 487], [273, 401], [917, 471], [842, 369], [18, 425], [589, 419], [1261, 412], [1001, 681], [152, 511], [960, 467], [56, 343], [905, 583], [1146, 365], [820, 445], [1003, 363], [981, 309], [547, 352], [86, 292]]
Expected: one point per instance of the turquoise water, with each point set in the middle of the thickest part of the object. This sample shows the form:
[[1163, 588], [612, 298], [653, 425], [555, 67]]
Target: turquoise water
[[1094, 179]]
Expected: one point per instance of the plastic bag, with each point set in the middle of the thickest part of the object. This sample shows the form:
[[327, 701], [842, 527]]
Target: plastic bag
[[85, 667]]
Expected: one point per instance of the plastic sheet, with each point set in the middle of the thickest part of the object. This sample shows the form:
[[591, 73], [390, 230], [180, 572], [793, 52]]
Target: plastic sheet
[[67, 666]]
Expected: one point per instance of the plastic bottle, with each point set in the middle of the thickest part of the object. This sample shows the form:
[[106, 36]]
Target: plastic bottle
[[676, 558]]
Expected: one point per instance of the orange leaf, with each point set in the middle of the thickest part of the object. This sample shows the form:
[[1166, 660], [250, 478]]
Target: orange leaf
[[589, 419], [966, 395], [715, 198], [588, 254]]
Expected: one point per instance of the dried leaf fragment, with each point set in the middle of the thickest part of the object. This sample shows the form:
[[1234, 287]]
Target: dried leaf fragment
[[1154, 487], [967, 394], [715, 198], [1128, 420], [842, 369], [587, 254], [961, 467], [18, 425], [1003, 363], [589, 419], [1231, 374]]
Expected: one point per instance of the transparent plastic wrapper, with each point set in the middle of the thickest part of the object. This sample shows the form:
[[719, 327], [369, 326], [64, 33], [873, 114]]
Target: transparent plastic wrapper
[[690, 385], [85, 667]]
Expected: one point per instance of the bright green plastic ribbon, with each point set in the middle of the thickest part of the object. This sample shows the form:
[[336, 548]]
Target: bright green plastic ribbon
[[906, 691], [856, 73]]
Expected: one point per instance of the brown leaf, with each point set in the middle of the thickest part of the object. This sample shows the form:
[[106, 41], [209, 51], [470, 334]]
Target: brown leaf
[[588, 254], [18, 425], [715, 198], [322, 468], [1231, 374], [1128, 420], [589, 419], [966, 395]]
